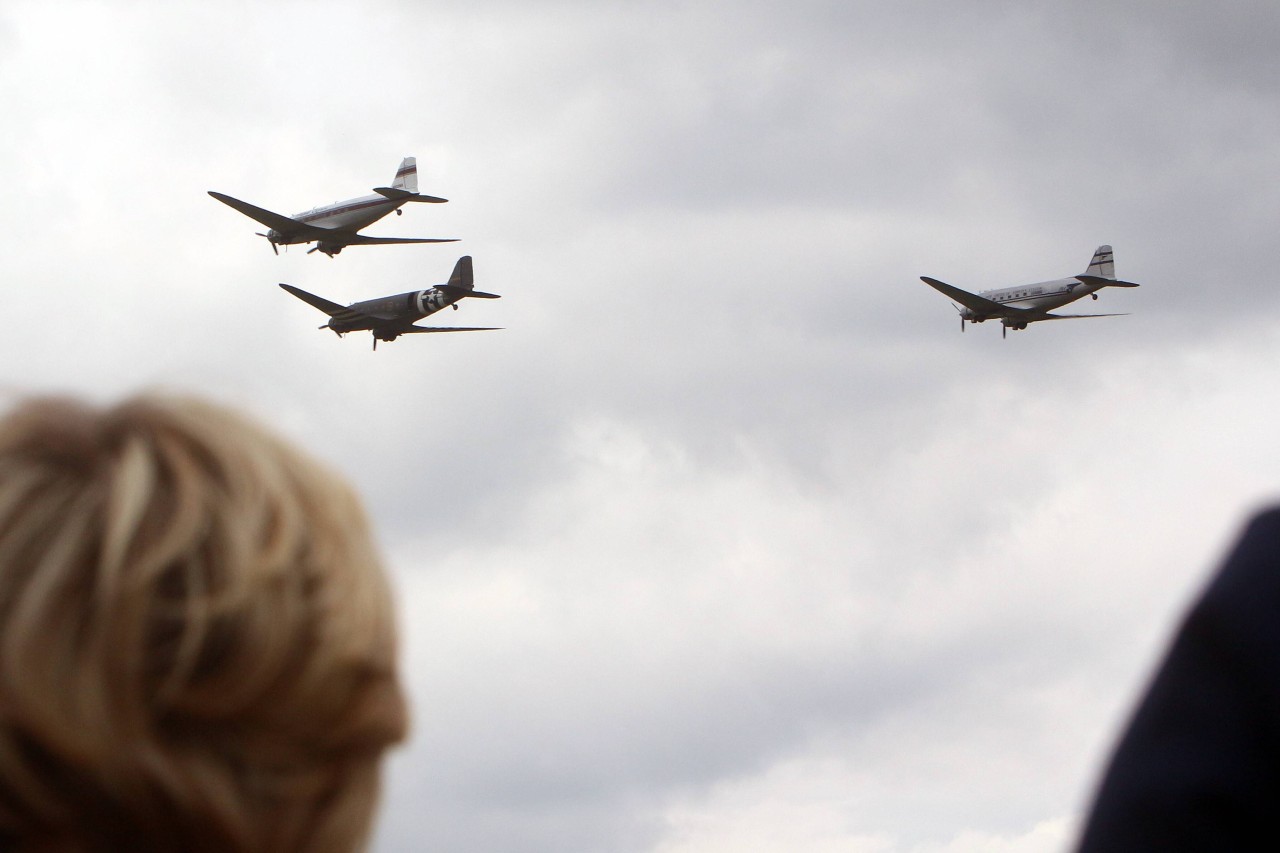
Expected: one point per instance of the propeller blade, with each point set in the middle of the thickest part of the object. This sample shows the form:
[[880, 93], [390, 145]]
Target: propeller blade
[[269, 240]]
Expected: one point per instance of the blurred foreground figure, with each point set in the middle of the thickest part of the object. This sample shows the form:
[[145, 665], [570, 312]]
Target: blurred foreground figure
[[1199, 767], [196, 641]]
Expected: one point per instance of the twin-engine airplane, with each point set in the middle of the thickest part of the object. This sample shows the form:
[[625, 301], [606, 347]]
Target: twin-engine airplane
[[333, 227], [1015, 307], [392, 316]]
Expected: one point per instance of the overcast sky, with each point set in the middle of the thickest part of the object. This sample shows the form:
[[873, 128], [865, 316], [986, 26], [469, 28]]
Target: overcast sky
[[730, 540]]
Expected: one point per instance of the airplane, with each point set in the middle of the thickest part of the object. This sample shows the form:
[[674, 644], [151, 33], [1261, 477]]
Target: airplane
[[392, 316], [1015, 307], [333, 227]]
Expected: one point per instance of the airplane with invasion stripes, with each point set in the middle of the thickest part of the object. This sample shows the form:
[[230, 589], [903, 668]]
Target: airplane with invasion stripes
[[1015, 307], [333, 227], [392, 316]]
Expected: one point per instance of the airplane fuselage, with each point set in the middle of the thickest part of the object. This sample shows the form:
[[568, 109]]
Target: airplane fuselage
[[387, 314], [350, 215], [1040, 297]]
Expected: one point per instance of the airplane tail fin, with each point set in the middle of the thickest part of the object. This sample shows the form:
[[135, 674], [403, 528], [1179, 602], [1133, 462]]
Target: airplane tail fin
[[1102, 271], [407, 175], [405, 186], [463, 274], [1103, 264], [462, 281]]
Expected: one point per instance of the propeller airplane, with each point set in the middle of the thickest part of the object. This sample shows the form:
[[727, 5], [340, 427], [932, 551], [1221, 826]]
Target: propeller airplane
[[333, 227], [1015, 307], [392, 316]]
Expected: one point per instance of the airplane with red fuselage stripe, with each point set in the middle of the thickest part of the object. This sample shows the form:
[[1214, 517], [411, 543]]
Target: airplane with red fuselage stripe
[[333, 227]]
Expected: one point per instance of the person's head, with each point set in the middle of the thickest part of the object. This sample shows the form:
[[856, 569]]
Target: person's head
[[197, 649]]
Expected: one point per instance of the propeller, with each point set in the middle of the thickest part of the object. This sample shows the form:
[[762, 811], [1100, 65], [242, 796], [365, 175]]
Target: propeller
[[269, 240]]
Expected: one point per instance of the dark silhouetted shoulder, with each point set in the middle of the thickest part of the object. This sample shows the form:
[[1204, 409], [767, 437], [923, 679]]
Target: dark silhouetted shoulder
[[1199, 766]]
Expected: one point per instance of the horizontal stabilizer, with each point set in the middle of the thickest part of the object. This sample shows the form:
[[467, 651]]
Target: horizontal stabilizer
[[397, 194], [330, 308], [461, 292], [1099, 281], [413, 329]]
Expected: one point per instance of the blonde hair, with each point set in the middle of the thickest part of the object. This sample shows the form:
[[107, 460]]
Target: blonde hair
[[197, 648]]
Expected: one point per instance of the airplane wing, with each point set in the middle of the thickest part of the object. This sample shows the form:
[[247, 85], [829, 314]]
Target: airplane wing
[[973, 301], [354, 239], [330, 308], [413, 329], [285, 225]]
